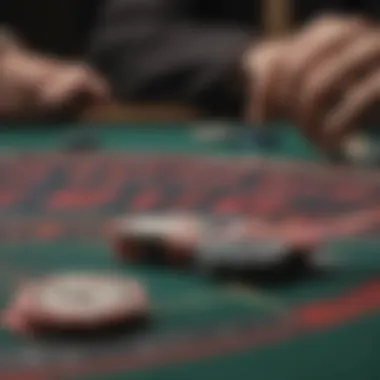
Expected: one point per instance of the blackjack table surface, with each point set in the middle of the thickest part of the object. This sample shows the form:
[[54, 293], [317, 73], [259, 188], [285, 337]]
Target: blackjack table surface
[[58, 195]]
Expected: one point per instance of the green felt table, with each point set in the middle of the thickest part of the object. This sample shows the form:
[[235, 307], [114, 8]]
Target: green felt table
[[314, 328]]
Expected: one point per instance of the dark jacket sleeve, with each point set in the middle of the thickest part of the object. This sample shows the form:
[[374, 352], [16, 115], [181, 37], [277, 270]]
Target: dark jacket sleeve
[[149, 51]]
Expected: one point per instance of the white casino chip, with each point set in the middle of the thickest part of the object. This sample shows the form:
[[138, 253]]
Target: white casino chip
[[158, 225], [362, 150], [85, 300], [356, 147], [242, 253], [212, 132]]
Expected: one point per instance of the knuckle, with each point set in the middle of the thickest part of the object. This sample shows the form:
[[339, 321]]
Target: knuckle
[[339, 23]]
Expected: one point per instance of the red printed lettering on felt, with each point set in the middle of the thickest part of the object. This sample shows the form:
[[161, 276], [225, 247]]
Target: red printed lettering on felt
[[82, 193], [228, 206], [263, 205], [144, 201], [18, 179]]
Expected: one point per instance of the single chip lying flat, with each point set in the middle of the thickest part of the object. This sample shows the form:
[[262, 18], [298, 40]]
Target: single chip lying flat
[[249, 246], [77, 301], [244, 255], [157, 238], [361, 150]]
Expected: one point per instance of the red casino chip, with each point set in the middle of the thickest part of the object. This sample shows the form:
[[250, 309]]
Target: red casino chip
[[77, 302], [159, 239]]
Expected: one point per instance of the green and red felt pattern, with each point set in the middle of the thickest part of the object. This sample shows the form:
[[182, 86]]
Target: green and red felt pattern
[[55, 211]]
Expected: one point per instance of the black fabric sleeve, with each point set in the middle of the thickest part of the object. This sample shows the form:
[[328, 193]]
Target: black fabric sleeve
[[150, 52]]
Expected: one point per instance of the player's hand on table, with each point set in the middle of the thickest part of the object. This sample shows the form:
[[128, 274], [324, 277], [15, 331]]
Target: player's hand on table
[[32, 85], [70, 86], [325, 78]]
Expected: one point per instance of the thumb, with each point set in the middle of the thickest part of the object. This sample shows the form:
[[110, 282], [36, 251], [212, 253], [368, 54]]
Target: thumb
[[262, 69]]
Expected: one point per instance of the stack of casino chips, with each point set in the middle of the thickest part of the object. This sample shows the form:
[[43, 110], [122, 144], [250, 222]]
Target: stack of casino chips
[[205, 243], [159, 239], [76, 304]]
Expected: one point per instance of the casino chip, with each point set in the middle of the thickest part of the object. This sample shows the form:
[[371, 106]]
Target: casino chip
[[249, 257], [215, 132], [77, 302], [159, 239], [207, 244], [361, 150]]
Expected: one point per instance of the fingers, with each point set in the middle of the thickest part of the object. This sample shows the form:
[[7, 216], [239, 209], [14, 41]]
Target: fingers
[[263, 66], [326, 78], [280, 67], [323, 86], [324, 39], [67, 84], [95, 86], [349, 113], [32, 85], [18, 73]]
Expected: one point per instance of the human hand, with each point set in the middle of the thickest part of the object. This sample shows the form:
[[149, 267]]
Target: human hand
[[32, 85], [70, 87], [325, 78]]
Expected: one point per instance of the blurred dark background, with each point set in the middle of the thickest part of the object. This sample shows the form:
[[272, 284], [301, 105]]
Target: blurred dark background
[[67, 28], [58, 27], [62, 26]]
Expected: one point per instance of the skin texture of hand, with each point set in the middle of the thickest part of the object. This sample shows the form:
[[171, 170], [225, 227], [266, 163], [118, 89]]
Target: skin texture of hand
[[325, 78], [35, 86]]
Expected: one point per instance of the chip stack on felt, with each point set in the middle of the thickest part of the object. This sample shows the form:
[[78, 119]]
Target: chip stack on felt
[[159, 239], [205, 243], [76, 303]]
